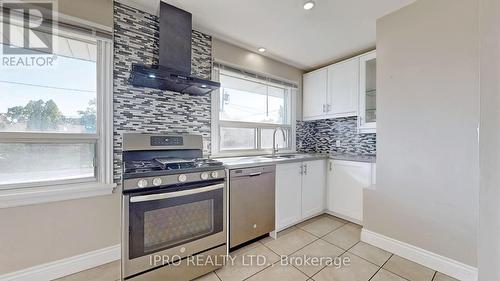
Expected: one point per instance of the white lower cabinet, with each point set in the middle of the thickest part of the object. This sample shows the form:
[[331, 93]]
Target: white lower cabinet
[[346, 181], [300, 191], [288, 194], [313, 188]]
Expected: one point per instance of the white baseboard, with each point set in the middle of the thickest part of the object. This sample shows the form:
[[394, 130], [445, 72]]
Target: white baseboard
[[347, 218], [64, 267], [432, 260]]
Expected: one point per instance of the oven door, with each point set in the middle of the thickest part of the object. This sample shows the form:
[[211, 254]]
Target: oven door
[[172, 224]]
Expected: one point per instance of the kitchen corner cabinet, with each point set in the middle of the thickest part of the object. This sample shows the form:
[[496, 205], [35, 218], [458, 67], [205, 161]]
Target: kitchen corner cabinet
[[342, 97], [332, 91], [367, 120], [300, 191], [344, 89], [346, 181]]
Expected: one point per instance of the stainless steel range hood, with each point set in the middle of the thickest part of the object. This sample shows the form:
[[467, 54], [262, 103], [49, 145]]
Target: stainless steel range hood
[[174, 70]]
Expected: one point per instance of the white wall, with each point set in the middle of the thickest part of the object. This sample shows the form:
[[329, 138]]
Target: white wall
[[38, 234], [428, 113], [95, 11], [489, 223]]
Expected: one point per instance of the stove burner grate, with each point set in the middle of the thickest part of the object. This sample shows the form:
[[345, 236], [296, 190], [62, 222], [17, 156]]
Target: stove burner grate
[[168, 164]]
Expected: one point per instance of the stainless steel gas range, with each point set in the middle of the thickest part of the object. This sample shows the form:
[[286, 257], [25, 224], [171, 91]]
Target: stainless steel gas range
[[174, 208]]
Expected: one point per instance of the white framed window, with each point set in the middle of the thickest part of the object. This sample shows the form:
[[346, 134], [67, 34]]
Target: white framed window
[[246, 111], [56, 123]]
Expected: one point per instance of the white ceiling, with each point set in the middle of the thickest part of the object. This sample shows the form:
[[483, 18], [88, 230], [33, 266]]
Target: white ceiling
[[334, 29]]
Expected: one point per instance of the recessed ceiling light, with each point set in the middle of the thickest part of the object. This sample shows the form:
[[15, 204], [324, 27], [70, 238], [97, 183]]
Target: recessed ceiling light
[[262, 49], [308, 5], [152, 75]]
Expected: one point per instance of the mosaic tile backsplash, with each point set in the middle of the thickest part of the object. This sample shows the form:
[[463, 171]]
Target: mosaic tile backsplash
[[320, 136], [150, 110]]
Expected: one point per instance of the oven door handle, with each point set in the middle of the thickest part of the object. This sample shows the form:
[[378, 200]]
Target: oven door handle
[[151, 197]]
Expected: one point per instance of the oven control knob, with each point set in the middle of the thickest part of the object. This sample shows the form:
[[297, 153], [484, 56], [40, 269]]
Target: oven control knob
[[215, 174], [142, 183], [204, 176], [157, 181], [182, 178]]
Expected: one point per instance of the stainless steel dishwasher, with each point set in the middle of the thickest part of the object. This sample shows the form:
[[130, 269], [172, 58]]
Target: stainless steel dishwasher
[[251, 203]]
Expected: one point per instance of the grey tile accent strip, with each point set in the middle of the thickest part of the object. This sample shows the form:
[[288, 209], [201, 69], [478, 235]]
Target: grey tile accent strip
[[320, 136], [149, 110]]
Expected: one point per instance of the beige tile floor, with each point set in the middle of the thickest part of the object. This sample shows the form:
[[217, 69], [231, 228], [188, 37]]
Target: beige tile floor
[[322, 236]]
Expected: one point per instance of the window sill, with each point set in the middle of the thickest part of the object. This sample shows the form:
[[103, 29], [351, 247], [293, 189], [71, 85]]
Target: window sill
[[45, 194]]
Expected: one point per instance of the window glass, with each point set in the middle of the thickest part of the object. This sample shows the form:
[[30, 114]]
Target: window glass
[[60, 99], [371, 91], [237, 138], [267, 139], [247, 101], [33, 162]]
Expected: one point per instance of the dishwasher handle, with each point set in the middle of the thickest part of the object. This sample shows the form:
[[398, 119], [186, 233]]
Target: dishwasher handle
[[251, 172]]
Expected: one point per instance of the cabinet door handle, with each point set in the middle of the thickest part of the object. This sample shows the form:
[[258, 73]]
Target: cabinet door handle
[[301, 169], [328, 107], [331, 166], [305, 169], [324, 108]]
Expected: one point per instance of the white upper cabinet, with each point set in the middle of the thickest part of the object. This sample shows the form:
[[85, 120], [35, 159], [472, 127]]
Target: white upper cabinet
[[343, 84], [315, 85], [367, 121], [332, 91]]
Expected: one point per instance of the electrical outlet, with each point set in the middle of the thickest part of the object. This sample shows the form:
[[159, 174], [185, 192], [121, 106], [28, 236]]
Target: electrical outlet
[[337, 143]]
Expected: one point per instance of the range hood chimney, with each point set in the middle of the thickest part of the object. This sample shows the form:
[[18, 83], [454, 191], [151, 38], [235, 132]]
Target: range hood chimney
[[174, 70]]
